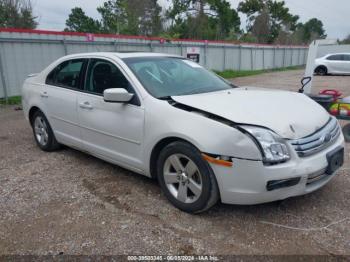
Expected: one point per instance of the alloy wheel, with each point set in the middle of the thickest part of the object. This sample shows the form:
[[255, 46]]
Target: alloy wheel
[[41, 131], [182, 178]]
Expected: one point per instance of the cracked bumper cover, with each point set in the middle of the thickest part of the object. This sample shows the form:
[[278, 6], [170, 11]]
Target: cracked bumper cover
[[246, 181]]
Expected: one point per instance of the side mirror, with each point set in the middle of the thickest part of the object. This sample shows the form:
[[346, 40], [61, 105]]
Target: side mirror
[[117, 95]]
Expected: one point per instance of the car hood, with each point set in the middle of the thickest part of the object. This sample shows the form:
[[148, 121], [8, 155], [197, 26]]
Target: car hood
[[290, 114]]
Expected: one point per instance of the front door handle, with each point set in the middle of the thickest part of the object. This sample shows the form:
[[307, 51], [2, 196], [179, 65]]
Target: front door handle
[[86, 105], [44, 94]]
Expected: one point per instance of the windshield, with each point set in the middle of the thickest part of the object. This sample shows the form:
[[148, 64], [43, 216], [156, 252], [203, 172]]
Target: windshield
[[167, 76]]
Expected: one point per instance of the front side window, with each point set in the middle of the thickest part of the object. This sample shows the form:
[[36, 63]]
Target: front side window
[[103, 75], [167, 76], [67, 74], [347, 58]]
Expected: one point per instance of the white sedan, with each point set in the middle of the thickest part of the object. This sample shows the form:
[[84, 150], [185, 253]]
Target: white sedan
[[167, 117], [333, 64]]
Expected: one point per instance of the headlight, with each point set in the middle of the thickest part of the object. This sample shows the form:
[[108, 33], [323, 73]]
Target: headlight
[[273, 147]]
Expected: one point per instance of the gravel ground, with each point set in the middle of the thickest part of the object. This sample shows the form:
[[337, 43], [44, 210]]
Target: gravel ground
[[68, 202]]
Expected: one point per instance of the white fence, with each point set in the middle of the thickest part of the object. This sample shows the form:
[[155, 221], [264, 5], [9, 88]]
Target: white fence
[[331, 49], [23, 52]]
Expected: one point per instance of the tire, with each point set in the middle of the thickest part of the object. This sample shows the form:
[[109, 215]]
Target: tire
[[321, 70], [43, 134], [346, 132], [181, 168]]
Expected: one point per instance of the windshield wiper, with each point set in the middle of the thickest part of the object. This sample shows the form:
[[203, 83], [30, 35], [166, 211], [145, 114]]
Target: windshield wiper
[[164, 97], [196, 91], [233, 85]]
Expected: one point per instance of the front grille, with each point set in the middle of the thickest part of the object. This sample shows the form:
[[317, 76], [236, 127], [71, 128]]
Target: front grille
[[319, 140]]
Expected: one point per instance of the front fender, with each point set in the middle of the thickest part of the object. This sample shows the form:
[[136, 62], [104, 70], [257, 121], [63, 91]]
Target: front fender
[[162, 120]]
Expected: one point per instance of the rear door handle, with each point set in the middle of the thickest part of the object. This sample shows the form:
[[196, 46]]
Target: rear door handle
[[86, 105], [44, 94]]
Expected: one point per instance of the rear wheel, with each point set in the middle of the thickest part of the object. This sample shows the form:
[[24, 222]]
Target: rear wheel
[[43, 133], [321, 70], [186, 178]]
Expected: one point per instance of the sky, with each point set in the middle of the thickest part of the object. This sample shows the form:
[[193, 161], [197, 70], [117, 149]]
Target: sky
[[335, 14]]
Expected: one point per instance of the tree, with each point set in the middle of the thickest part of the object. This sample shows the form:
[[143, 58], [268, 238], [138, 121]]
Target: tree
[[303, 33], [203, 19], [225, 18], [267, 18], [248, 38], [150, 20], [131, 17], [346, 41], [261, 28], [113, 15], [17, 14], [313, 29], [78, 21], [268, 21]]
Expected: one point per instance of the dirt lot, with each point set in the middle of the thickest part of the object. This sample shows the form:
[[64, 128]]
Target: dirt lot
[[71, 203]]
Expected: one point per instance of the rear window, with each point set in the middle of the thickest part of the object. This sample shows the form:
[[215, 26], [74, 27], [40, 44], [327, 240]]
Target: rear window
[[67, 74]]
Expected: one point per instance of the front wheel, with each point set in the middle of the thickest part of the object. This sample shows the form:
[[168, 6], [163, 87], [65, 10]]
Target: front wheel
[[186, 178]]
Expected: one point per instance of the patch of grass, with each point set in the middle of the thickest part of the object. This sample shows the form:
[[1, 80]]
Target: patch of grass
[[13, 100], [228, 74]]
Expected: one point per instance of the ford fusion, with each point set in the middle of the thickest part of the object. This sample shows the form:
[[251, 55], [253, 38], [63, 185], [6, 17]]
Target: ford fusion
[[168, 118]]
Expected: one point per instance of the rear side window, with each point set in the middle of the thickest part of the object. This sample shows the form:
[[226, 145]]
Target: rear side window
[[347, 57], [68, 74], [336, 58]]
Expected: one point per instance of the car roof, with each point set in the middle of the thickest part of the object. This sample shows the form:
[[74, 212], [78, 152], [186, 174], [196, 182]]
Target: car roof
[[122, 55], [339, 54]]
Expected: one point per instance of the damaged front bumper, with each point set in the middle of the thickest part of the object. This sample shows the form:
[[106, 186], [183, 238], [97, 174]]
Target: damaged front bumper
[[249, 182]]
